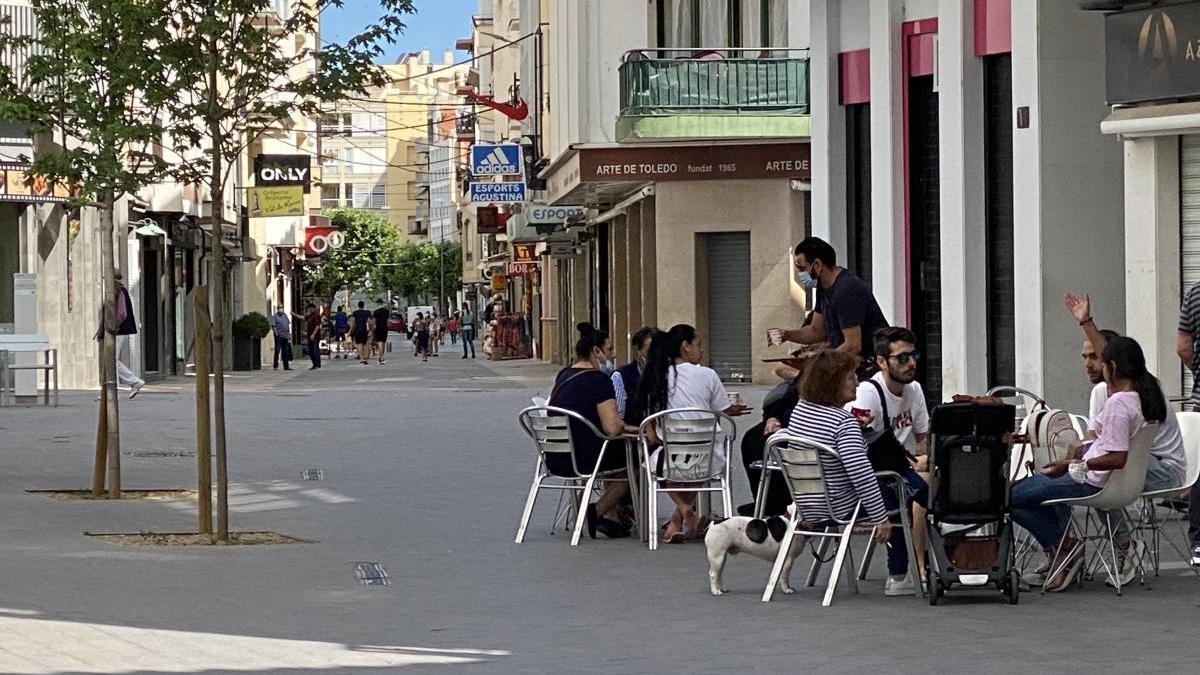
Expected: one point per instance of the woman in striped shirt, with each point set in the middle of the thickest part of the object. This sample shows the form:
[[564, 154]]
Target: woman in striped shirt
[[828, 384]]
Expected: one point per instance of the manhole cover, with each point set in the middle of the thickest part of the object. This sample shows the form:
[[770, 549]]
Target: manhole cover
[[160, 453], [371, 574], [312, 474]]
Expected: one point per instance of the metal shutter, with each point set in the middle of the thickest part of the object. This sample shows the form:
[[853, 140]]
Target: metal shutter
[[1189, 222], [729, 304], [998, 213]]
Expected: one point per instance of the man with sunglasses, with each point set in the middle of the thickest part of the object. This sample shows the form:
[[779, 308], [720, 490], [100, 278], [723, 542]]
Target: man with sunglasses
[[895, 389]]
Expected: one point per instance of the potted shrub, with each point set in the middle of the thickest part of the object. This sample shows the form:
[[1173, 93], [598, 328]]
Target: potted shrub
[[248, 332]]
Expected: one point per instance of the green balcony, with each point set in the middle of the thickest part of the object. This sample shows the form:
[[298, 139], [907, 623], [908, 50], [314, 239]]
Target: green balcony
[[713, 94]]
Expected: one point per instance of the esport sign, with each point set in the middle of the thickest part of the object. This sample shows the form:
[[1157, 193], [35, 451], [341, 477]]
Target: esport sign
[[540, 214]]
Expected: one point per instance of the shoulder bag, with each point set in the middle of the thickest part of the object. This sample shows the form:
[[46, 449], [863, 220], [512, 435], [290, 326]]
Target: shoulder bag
[[885, 451]]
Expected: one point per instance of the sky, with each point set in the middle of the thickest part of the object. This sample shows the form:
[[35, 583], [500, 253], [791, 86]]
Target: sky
[[435, 26]]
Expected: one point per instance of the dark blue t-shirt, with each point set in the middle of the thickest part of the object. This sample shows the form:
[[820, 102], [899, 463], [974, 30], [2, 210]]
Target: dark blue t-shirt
[[581, 394], [848, 303]]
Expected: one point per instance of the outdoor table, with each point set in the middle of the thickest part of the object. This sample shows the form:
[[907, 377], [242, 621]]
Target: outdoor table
[[8, 380]]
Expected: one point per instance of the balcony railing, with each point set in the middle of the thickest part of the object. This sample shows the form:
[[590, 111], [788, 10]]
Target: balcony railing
[[710, 81]]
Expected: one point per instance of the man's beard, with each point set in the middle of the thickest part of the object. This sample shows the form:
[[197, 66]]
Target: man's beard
[[902, 379]]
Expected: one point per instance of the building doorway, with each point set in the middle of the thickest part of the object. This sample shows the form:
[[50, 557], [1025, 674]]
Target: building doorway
[[924, 233], [998, 220], [727, 257]]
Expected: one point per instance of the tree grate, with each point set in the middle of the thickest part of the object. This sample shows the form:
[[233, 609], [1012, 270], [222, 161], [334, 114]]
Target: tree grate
[[371, 574]]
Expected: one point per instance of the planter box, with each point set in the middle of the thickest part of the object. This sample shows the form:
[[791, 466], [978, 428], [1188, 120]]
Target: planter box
[[247, 353]]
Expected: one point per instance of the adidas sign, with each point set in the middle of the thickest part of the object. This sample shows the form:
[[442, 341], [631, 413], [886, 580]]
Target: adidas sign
[[496, 160]]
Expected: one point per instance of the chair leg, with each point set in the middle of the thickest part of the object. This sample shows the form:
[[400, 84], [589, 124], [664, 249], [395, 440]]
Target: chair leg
[[838, 561], [785, 548], [814, 570], [652, 507], [851, 570], [585, 499], [1114, 573], [868, 554], [727, 495], [529, 501]]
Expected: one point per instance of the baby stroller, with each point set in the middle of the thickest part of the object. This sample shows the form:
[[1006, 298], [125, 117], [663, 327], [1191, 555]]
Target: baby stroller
[[970, 522]]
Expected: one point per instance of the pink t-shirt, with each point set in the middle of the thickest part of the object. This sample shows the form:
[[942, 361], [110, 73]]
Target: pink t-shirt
[[1116, 425]]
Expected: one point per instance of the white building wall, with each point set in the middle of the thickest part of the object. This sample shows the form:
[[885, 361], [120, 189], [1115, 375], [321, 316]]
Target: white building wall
[[887, 161]]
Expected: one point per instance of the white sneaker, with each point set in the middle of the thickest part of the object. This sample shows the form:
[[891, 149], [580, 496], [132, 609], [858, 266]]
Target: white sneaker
[[1196, 555], [896, 587], [1128, 560], [1037, 576], [133, 391]]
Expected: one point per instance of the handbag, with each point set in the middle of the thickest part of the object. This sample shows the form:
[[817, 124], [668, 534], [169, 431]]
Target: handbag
[[885, 451]]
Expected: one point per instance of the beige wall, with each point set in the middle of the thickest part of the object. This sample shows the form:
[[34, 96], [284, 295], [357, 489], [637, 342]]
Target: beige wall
[[774, 215]]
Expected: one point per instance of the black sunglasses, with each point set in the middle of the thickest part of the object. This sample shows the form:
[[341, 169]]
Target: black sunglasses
[[905, 357]]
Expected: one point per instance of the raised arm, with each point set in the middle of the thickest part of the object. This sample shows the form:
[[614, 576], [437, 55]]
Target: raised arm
[[1081, 309]]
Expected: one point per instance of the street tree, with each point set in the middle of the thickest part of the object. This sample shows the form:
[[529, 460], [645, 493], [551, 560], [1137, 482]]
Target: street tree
[[255, 66], [91, 84]]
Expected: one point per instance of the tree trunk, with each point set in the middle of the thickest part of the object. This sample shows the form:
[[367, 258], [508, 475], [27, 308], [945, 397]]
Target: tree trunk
[[203, 421], [109, 346], [217, 279], [101, 459]]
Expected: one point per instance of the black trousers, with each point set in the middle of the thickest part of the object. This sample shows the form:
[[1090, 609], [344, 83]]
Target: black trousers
[[314, 352], [778, 498]]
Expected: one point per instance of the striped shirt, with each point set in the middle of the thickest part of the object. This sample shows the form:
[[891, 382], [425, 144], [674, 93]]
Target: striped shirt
[[849, 476], [1189, 322]]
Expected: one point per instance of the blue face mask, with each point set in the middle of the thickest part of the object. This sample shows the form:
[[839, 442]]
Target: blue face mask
[[608, 367], [806, 280]]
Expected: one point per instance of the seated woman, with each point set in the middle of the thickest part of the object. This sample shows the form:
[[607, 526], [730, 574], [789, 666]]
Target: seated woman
[[586, 388], [1135, 399], [827, 384], [673, 379]]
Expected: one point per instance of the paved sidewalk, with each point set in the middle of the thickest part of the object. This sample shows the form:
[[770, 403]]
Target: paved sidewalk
[[424, 472]]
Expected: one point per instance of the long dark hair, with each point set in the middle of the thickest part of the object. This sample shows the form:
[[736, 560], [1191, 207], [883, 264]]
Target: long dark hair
[[653, 391], [1124, 355], [589, 339]]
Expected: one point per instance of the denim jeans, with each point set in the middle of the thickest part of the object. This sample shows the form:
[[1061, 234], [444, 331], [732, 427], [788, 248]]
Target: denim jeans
[[1046, 523], [468, 341], [283, 349], [917, 491]]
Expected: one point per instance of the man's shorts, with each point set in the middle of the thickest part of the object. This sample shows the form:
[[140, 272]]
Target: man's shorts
[[380, 336], [360, 338]]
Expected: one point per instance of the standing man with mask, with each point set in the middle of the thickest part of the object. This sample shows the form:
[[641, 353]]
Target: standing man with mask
[[281, 324], [846, 315]]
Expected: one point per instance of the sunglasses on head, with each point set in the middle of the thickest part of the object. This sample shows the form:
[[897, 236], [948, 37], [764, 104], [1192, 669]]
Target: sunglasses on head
[[905, 357]]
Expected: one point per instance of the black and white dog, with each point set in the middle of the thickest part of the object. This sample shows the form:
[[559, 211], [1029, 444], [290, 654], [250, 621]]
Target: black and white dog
[[759, 537]]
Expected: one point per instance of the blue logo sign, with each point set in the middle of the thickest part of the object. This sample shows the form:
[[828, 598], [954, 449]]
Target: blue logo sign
[[496, 160], [489, 193]]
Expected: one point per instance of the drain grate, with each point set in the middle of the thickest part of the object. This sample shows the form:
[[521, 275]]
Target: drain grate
[[312, 474], [371, 574], [160, 453]]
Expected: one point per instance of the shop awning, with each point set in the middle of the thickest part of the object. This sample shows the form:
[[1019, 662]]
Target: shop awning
[[601, 175], [1170, 119]]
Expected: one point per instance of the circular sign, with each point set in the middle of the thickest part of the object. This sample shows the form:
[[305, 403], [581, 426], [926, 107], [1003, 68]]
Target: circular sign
[[322, 242]]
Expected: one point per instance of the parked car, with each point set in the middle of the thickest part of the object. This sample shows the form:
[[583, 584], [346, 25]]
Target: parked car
[[396, 322]]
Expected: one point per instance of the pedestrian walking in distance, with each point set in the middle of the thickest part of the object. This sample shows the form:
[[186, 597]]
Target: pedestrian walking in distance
[[466, 325], [341, 332], [421, 328], [313, 333], [126, 325], [452, 327], [281, 324], [360, 331], [379, 332]]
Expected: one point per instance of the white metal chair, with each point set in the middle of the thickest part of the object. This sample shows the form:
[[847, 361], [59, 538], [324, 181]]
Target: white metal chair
[[1123, 488], [799, 460], [694, 453], [550, 429], [1189, 428]]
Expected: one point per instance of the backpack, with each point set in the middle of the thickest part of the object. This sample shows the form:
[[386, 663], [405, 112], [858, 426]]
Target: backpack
[[341, 321]]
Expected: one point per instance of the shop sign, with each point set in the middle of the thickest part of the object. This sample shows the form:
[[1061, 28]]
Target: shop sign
[[320, 240], [503, 159], [499, 283], [1152, 54], [541, 214], [559, 249], [492, 193], [278, 170], [524, 253], [781, 160], [521, 269], [18, 185], [273, 202]]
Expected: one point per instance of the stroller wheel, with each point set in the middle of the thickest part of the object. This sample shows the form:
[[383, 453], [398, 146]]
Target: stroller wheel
[[934, 585], [1013, 589]]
